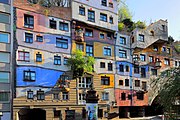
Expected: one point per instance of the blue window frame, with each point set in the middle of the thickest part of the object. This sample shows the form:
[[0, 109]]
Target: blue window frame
[[57, 60], [62, 43]]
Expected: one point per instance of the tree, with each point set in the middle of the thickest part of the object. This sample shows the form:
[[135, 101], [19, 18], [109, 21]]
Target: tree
[[124, 13], [80, 63], [140, 24]]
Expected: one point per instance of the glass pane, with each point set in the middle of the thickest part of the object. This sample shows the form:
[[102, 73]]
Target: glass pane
[[4, 18], [4, 96], [4, 77], [4, 57], [4, 37]]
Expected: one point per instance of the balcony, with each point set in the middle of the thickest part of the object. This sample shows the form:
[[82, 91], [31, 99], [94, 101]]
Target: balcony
[[79, 34]]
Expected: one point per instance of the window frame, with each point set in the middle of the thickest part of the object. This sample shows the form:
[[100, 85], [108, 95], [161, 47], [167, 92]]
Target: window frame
[[30, 94], [123, 96], [65, 60], [143, 57], [29, 74], [89, 52], [27, 21], [88, 33], [121, 68], [103, 17], [122, 53], [57, 60], [137, 83], [101, 35], [107, 51], [80, 11], [121, 82], [141, 37], [39, 57], [85, 82], [52, 24], [28, 37], [127, 82], [91, 15], [40, 95], [39, 38], [23, 56], [65, 95], [151, 59], [122, 40], [104, 2], [110, 66], [166, 61], [105, 80], [63, 26], [80, 47], [111, 20], [105, 96], [61, 43], [102, 65]]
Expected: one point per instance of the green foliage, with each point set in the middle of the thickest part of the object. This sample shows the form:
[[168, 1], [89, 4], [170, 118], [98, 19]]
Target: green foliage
[[80, 63], [140, 24], [123, 12], [120, 26], [170, 39], [177, 47]]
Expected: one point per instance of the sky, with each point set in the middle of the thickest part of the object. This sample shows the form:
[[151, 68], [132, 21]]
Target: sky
[[153, 10]]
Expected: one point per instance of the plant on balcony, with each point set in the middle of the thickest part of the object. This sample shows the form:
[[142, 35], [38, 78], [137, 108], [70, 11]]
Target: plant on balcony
[[80, 63], [63, 85]]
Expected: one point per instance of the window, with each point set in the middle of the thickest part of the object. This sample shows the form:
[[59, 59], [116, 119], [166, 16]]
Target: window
[[4, 1], [122, 53], [141, 38], [105, 96], [28, 37], [4, 77], [111, 20], [28, 21], [176, 63], [144, 86], [121, 68], [154, 72], [4, 18], [38, 57], [120, 82], [140, 96], [143, 72], [166, 61], [40, 95], [30, 94], [52, 24], [88, 33], [105, 80], [65, 95], [111, 4], [151, 59], [168, 50], [29, 75], [85, 82], [164, 49], [104, 2], [123, 40], [23, 56], [57, 60], [39, 38], [57, 114], [157, 59], [110, 67], [82, 11], [4, 57], [109, 35], [65, 61], [91, 15], [142, 57], [89, 50], [4, 37], [4, 96], [63, 26], [123, 96], [136, 69], [127, 68], [155, 48], [62, 43], [82, 98], [126, 82], [107, 51], [163, 27], [80, 47], [135, 57], [129, 97], [137, 83], [103, 17], [56, 96], [101, 36], [102, 65]]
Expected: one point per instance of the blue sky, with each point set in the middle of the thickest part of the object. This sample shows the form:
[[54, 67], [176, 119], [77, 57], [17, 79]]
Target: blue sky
[[153, 10]]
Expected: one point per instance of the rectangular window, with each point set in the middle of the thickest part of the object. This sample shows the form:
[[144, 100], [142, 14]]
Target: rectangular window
[[4, 77], [123, 40], [52, 24], [57, 114], [109, 35], [30, 94], [101, 35], [123, 96], [137, 83], [65, 95], [110, 67], [111, 20], [4, 18], [164, 49], [80, 47], [122, 54], [102, 65], [23, 56], [142, 57], [154, 72], [168, 50], [105, 80], [40, 95], [110, 4], [88, 33], [151, 59], [143, 72], [4, 1], [176, 63], [89, 50], [91, 16], [120, 82], [140, 96], [4, 37], [107, 51], [4, 96], [57, 60], [121, 68], [155, 48], [166, 61], [39, 38], [104, 2], [103, 17], [141, 38], [29, 75], [4, 57], [136, 69], [38, 57], [63, 26], [62, 43], [56, 96], [144, 86], [85, 82], [127, 68], [29, 21], [105, 96], [126, 82], [65, 61], [82, 98], [82, 11], [28, 37]]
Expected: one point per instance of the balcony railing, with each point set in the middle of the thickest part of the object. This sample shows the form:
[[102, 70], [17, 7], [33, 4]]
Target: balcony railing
[[79, 34]]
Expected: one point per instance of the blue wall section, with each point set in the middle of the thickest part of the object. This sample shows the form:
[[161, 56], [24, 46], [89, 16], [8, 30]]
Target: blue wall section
[[44, 77]]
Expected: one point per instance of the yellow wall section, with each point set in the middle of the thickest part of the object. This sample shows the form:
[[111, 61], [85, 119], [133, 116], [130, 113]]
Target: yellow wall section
[[74, 46], [111, 80]]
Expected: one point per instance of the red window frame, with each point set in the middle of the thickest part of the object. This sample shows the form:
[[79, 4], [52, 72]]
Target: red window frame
[[23, 56]]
